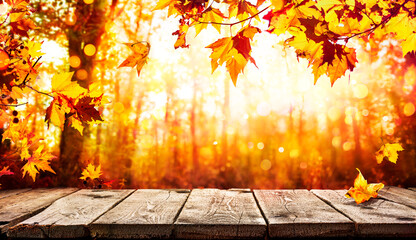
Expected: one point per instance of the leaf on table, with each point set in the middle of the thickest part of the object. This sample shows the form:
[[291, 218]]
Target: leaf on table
[[362, 192], [91, 172], [389, 151], [39, 161], [139, 56]]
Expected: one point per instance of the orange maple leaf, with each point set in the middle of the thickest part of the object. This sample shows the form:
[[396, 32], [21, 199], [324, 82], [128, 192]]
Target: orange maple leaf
[[362, 192], [139, 57], [39, 161], [91, 172], [5, 171], [234, 51]]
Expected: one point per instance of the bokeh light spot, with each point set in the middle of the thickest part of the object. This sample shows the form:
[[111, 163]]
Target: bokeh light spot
[[260, 145], [71, 19], [347, 146], [118, 107], [266, 164], [294, 153], [360, 91], [4, 60], [88, 1], [82, 74], [336, 141], [334, 113], [390, 131], [281, 149], [74, 61], [348, 120], [263, 109], [89, 50], [409, 109]]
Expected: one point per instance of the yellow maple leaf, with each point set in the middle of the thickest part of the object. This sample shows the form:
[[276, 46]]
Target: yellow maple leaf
[[210, 15], [362, 192], [77, 124], [55, 114], [91, 172], [161, 4], [234, 51], [390, 151], [39, 161], [139, 56], [62, 84]]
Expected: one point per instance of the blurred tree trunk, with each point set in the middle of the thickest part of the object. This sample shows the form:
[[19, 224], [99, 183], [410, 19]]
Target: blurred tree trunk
[[357, 136], [195, 160], [226, 116], [87, 30]]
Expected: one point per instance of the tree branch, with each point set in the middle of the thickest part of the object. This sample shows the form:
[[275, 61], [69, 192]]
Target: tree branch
[[234, 23], [13, 105]]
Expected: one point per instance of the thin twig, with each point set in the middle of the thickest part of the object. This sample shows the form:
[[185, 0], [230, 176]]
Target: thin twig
[[27, 75], [234, 23], [39, 91], [13, 105]]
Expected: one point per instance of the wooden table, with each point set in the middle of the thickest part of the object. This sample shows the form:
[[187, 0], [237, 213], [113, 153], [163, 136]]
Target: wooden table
[[204, 214]]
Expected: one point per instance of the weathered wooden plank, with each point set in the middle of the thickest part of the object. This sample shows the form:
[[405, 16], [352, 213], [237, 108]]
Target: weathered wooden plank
[[147, 213], [413, 189], [299, 213], [220, 214], [377, 217], [399, 195], [68, 217], [18, 207], [8, 193]]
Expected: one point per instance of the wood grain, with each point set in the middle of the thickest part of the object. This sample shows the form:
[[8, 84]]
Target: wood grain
[[413, 189], [17, 207], [377, 217], [146, 213], [220, 214], [299, 213], [68, 217], [8, 193], [399, 195]]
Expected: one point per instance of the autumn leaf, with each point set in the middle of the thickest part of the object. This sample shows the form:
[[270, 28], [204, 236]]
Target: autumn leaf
[[55, 114], [234, 51], [139, 56], [5, 171], [389, 151], [39, 161], [85, 110], [62, 84], [362, 192], [91, 172], [22, 26], [209, 16], [161, 4]]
